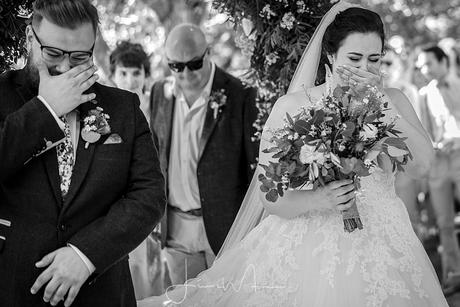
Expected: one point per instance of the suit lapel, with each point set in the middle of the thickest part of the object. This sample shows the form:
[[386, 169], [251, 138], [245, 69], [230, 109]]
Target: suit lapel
[[210, 122], [165, 118], [169, 119], [49, 159], [50, 163]]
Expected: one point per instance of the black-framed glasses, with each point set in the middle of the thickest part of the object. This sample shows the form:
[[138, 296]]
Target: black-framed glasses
[[191, 65], [53, 54]]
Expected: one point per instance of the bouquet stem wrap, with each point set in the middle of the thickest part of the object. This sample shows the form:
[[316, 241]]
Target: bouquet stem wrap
[[351, 218]]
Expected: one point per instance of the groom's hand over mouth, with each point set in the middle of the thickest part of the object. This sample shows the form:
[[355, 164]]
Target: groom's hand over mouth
[[65, 92], [65, 274]]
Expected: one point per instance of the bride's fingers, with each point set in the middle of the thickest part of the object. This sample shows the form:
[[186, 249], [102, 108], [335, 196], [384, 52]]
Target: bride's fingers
[[353, 78], [371, 76], [357, 79], [344, 78], [344, 190], [357, 71], [345, 198], [345, 206], [344, 74], [338, 183]]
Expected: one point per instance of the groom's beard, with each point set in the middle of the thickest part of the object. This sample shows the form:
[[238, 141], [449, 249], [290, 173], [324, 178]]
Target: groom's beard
[[31, 71], [32, 74]]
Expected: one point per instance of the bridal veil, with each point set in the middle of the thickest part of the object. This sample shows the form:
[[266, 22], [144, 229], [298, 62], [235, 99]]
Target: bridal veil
[[252, 210]]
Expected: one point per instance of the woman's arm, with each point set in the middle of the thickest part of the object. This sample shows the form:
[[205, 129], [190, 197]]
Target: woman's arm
[[418, 140], [335, 195]]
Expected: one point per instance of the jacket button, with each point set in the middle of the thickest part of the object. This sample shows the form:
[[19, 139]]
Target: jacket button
[[63, 227]]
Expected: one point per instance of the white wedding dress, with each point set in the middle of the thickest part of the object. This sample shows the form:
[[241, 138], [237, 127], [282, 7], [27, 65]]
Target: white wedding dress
[[311, 261]]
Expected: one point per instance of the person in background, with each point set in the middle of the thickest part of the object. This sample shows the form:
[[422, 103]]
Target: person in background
[[441, 102], [129, 70], [407, 188], [204, 119]]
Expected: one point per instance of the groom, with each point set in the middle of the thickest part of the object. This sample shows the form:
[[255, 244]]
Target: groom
[[203, 118], [73, 201]]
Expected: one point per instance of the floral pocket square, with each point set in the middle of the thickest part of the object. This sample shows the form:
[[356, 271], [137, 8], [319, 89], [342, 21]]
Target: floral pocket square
[[113, 139]]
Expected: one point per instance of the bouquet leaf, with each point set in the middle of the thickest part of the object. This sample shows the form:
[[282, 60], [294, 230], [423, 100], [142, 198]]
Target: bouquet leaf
[[272, 195], [302, 127]]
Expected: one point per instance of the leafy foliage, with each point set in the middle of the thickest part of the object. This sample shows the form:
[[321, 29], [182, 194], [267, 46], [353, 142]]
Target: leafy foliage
[[273, 33], [418, 22], [13, 17]]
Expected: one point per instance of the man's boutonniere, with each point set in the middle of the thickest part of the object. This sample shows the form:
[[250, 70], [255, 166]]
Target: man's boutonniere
[[95, 125], [168, 87], [217, 99]]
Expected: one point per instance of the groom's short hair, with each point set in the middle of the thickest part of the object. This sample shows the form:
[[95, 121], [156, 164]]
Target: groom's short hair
[[65, 13]]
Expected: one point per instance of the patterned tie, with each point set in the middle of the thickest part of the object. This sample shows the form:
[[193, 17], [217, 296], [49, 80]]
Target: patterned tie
[[65, 159]]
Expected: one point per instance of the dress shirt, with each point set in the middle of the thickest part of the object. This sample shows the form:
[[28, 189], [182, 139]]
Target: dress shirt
[[443, 102]]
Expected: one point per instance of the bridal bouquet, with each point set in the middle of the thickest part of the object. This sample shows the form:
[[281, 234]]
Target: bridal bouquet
[[341, 136]]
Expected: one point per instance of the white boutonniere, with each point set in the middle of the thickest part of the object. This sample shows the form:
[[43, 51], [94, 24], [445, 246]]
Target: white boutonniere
[[217, 100], [95, 124], [168, 88]]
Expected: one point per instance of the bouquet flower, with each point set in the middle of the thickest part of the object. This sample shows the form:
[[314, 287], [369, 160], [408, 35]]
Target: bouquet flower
[[341, 136]]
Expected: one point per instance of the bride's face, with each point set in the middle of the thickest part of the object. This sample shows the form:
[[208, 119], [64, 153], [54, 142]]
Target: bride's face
[[359, 50]]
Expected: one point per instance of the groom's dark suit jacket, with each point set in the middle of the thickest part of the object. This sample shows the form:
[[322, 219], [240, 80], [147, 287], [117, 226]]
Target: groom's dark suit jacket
[[116, 195], [224, 171]]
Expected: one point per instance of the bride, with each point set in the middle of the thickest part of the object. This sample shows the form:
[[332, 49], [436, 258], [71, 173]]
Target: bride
[[299, 254]]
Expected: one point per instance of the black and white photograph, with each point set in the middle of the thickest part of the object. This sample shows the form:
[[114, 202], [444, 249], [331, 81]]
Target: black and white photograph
[[227, 153]]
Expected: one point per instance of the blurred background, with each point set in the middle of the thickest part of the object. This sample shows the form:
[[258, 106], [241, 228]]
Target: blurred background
[[410, 24]]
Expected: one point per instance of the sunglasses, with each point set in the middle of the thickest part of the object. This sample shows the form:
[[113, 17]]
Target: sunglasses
[[191, 65], [387, 63], [54, 55]]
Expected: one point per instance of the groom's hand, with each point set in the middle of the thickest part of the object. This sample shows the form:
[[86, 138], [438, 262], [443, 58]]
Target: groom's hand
[[65, 92], [65, 274]]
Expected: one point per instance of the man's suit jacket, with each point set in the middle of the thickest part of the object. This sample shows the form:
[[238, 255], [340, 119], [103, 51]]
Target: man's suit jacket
[[116, 196], [224, 171]]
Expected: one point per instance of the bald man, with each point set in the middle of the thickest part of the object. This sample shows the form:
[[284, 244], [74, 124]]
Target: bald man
[[203, 118]]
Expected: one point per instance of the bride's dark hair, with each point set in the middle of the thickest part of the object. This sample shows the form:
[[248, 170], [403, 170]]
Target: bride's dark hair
[[352, 20]]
